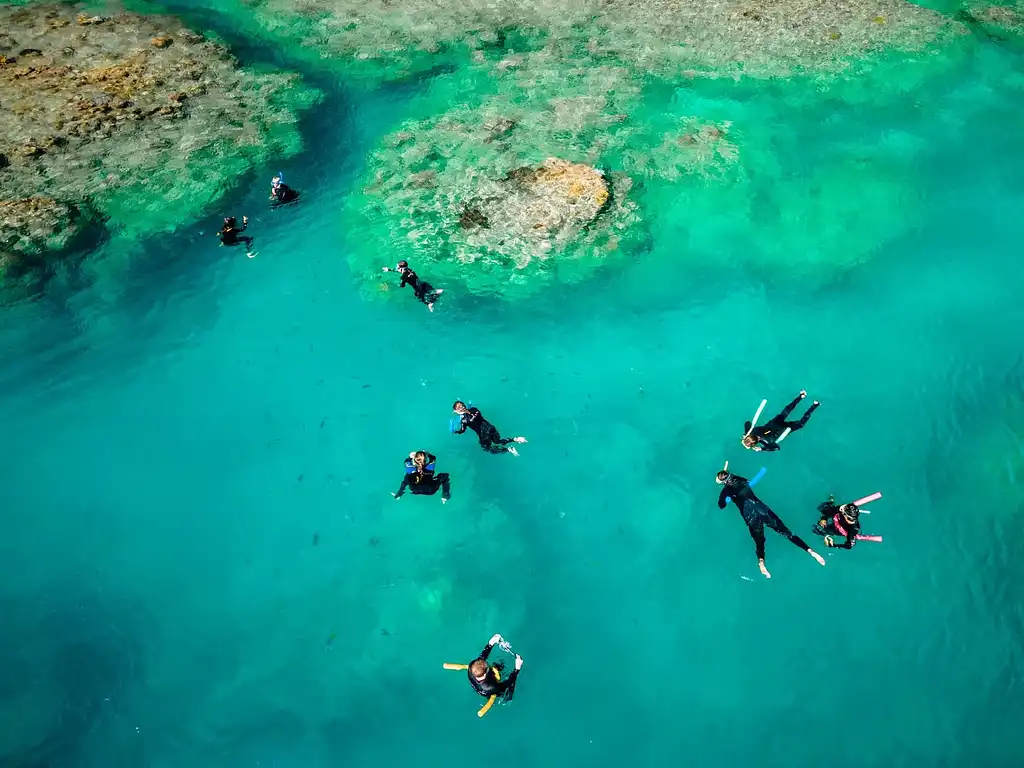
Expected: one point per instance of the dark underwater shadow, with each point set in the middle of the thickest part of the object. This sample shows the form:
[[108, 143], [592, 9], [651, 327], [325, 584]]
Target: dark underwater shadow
[[89, 651]]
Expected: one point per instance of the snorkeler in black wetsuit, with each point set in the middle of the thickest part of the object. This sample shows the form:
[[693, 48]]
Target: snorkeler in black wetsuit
[[486, 678], [424, 291], [767, 436], [838, 520], [490, 439], [230, 234], [483, 678], [420, 478], [757, 514], [281, 193]]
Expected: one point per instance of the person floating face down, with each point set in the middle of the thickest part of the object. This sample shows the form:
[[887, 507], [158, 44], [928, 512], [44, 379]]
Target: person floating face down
[[838, 520], [766, 437], [281, 193], [424, 291], [420, 478], [757, 514], [486, 678], [231, 233], [490, 439]]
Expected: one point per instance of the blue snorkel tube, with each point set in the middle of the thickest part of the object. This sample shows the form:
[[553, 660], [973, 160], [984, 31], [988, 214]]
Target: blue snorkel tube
[[752, 482]]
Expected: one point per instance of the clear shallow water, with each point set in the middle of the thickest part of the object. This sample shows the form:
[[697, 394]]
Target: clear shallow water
[[175, 437]]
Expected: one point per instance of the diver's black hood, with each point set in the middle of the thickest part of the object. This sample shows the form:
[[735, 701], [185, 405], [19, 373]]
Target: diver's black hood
[[734, 480]]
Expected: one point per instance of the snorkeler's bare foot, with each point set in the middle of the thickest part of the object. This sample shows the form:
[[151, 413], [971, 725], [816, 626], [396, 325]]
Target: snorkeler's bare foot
[[430, 306], [513, 451], [439, 291], [518, 439], [816, 556], [764, 569], [803, 393], [815, 403]]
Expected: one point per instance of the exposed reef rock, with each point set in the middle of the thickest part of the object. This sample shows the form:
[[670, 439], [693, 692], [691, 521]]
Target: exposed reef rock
[[532, 211], [145, 119]]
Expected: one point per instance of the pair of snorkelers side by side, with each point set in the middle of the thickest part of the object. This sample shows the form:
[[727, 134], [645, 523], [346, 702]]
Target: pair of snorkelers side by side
[[768, 436], [490, 439], [485, 678], [756, 514], [423, 290], [422, 479], [230, 233], [836, 519]]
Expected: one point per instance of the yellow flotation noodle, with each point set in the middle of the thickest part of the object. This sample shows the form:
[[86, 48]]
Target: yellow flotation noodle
[[490, 699]]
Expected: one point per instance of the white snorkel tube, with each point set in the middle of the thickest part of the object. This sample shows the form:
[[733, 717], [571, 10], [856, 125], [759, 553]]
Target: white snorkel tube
[[753, 421]]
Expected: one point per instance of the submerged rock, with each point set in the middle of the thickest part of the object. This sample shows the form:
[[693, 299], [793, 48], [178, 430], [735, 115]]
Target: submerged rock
[[460, 196], [36, 224], [145, 119]]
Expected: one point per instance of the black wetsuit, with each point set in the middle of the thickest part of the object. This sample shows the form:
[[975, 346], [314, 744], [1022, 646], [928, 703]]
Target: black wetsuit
[[828, 510], [425, 483], [756, 514], [490, 440], [424, 291], [491, 685], [283, 194], [769, 433], [232, 235]]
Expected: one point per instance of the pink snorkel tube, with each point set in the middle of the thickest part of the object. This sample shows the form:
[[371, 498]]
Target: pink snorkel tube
[[857, 503]]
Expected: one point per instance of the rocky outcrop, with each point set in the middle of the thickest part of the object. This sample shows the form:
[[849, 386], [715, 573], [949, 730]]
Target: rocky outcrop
[[535, 209], [133, 113]]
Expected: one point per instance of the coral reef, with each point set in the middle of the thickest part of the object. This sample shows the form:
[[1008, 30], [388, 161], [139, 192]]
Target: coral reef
[[531, 211], [467, 199], [1004, 20], [538, 175], [143, 118], [36, 225], [748, 37]]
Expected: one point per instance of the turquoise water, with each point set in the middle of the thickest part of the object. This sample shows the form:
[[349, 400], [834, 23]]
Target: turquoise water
[[203, 565]]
